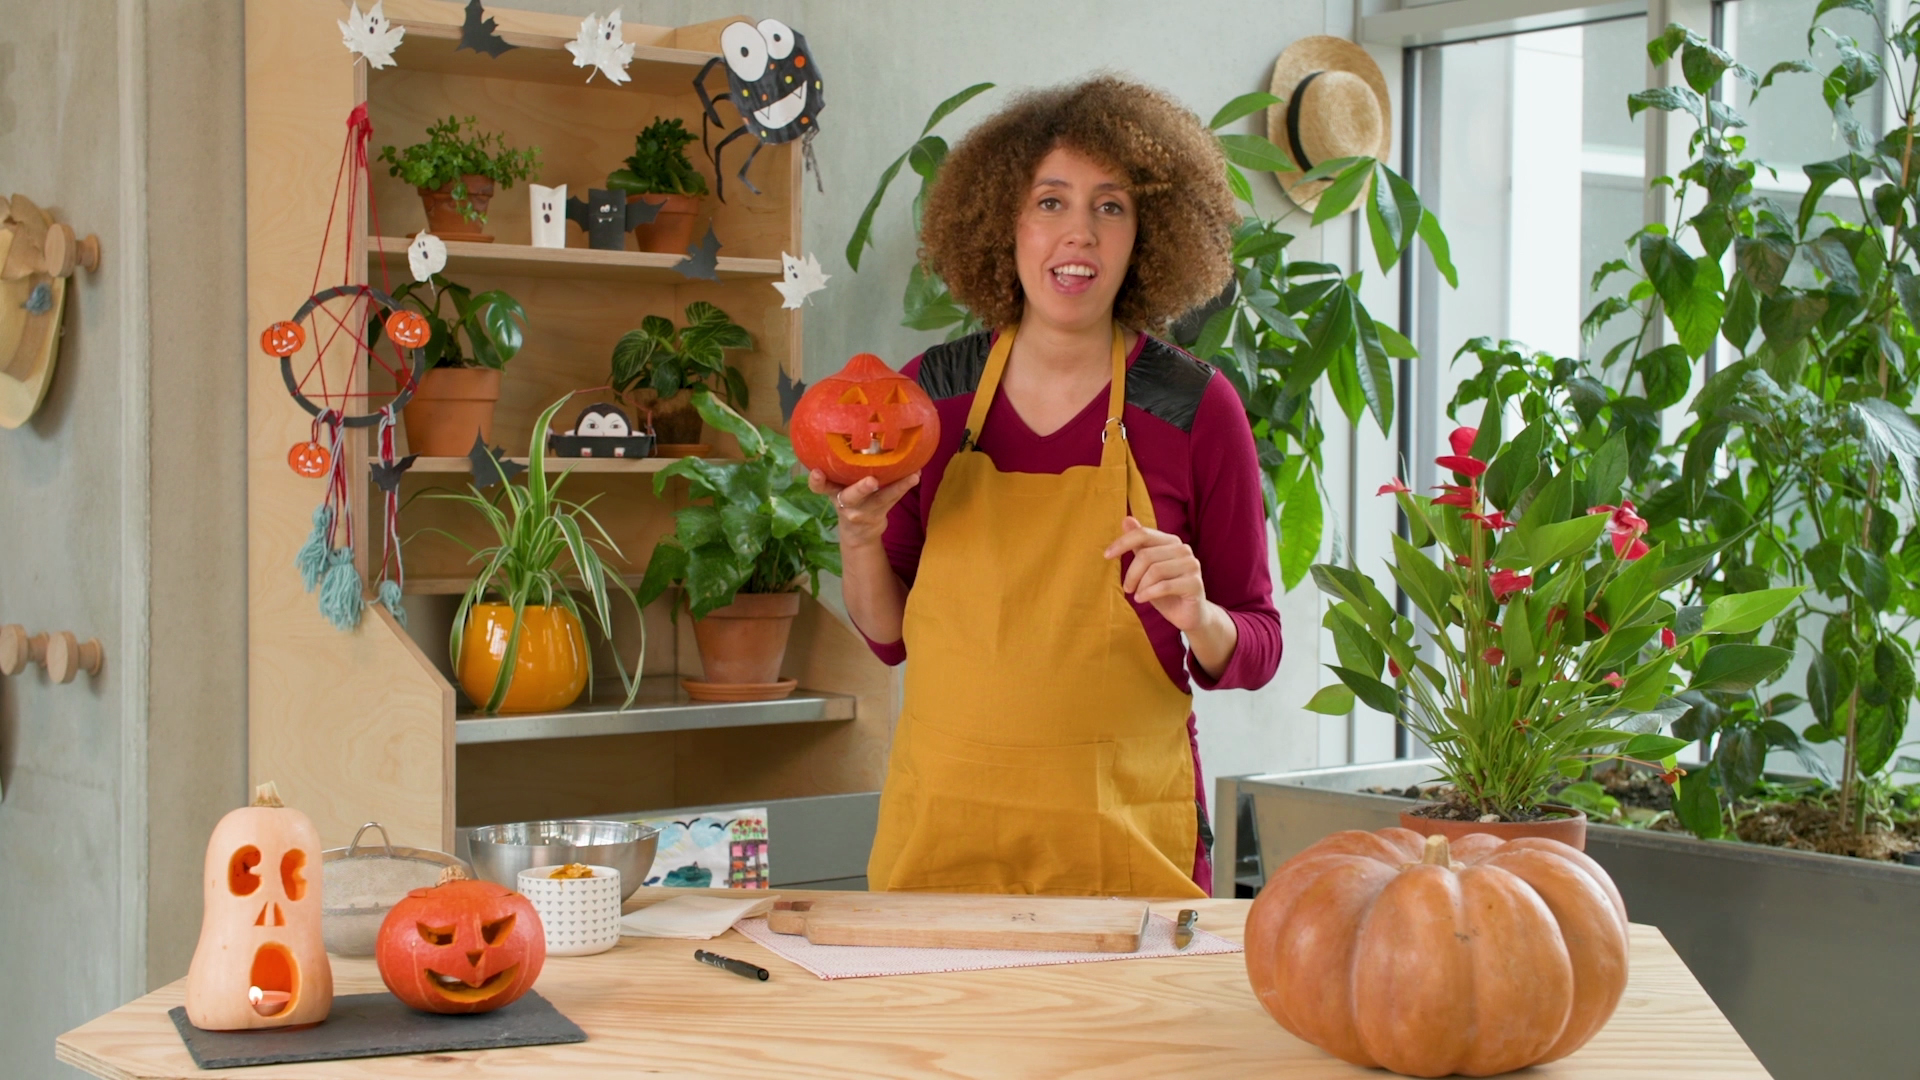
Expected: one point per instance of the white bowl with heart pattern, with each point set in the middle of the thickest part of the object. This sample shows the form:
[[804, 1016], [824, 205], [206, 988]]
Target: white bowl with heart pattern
[[581, 915]]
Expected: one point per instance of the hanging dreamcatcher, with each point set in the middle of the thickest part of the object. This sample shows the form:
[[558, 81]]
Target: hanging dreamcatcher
[[333, 330]]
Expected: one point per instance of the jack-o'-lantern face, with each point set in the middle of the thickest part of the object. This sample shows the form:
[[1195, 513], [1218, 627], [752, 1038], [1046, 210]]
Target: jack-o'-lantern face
[[866, 420], [261, 961], [282, 339], [408, 329], [462, 947], [310, 459]]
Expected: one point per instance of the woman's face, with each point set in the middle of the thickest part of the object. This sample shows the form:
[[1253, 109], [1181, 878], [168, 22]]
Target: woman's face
[[1073, 241]]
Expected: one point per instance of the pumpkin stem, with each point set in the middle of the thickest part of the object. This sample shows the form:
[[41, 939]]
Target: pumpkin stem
[[267, 795], [1437, 853], [450, 873]]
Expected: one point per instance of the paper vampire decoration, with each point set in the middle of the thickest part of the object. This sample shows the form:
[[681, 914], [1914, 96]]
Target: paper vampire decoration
[[607, 215], [480, 33], [601, 432], [549, 215], [800, 278], [371, 330], [775, 86], [703, 259], [601, 46], [371, 35]]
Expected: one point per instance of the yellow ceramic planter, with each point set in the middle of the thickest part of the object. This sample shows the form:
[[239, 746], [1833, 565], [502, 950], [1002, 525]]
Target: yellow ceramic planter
[[550, 670]]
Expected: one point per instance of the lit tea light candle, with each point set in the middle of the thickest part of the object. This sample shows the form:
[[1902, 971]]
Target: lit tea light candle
[[268, 1002]]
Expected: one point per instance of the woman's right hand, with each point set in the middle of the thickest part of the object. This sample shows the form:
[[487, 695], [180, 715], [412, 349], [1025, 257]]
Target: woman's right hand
[[863, 506]]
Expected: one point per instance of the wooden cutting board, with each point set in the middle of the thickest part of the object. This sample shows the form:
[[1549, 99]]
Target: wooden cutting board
[[941, 921]]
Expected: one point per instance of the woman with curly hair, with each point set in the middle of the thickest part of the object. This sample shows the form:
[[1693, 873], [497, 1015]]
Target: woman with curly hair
[[1089, 539]]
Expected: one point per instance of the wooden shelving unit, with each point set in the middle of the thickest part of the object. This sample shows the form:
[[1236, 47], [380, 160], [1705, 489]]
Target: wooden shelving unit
[[367, 725]]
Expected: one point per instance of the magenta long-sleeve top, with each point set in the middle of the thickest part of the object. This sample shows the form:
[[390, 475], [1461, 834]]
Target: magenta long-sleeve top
[[1190, 438]]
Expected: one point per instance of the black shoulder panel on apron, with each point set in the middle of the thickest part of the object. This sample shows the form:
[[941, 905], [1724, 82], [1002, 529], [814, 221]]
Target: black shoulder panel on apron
[[1166, 382], [953, 368]]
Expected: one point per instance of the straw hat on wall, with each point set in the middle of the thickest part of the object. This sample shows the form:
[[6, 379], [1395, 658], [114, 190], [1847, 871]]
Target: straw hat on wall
[[1334, 104]]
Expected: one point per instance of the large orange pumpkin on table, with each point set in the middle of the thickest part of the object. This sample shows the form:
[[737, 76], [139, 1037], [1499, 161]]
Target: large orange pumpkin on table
[[1394, 950], [462, 946], [865, 420]]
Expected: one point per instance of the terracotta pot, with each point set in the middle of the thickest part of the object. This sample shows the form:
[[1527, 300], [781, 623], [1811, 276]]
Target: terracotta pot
[[451, 406], [444, 219], [745, 641], [1569, 827], [549, 671], [671, 230], [675, 420]]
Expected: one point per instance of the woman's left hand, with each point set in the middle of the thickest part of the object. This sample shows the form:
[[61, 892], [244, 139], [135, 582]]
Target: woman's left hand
[[1165, 573]]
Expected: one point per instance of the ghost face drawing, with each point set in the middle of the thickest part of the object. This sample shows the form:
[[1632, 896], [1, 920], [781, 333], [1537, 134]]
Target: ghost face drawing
[[426, 255], [549, 215]]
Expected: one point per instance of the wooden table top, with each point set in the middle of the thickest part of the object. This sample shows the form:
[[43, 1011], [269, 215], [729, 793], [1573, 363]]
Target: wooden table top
[[650, 1009]]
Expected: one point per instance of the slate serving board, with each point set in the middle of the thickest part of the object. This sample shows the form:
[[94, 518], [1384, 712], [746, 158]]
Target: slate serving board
[[378, 1025]]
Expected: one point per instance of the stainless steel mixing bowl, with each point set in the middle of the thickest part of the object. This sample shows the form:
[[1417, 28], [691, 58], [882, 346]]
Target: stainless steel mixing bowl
[[500, 852]]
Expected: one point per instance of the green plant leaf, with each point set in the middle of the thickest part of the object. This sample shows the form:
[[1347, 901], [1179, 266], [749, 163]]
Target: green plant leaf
[[1738, 668], [1743, 613], [1550, 543], [1667, 99], [1244, 105], [1340, 194], [1300, 523], [1437, 247], [715, 412], [1255, 152], [1331, 701], [952, 104], [1372, 693], [1697, 805], [1652, 746]]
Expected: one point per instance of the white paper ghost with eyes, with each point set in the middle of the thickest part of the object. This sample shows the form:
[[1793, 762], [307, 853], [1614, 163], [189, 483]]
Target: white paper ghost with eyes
[[800, 278], [371, 35], [549, 215], [601, 46], [426, 256]]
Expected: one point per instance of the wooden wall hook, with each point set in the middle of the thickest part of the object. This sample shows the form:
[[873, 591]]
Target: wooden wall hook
[[67, 656], [63, 252], [18, 649]]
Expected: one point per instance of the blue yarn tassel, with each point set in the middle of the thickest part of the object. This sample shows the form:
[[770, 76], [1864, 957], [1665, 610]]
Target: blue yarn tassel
[[340, 599], [390, 599], [311, 559]]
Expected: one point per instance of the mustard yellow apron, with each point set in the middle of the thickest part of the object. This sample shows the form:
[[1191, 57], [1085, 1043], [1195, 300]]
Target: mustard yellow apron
[[1041, 747]]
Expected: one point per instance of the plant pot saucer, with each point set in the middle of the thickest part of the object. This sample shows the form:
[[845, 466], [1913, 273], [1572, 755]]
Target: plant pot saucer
[[712, 691], [674, 449], [1570, 828]]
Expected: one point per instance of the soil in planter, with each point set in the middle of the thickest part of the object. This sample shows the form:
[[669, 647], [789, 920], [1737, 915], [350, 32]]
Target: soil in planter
[[1448, 804], [1815, 824]]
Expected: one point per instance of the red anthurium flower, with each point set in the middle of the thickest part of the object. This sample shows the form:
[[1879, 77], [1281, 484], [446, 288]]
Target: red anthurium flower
[[1667, 638], [1462, 459], [1506, 582], [1613, 679], [1496, 520], [1495, 656], [1672, 775], [1629, 547], [1599, 622], [1461, 439], [1395, 488], [1626, 528], [1393, 668], [1461, 495]]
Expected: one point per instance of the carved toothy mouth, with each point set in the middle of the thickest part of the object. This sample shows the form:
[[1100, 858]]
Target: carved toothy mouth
[[783, 112], [466, 993], [873, 455]]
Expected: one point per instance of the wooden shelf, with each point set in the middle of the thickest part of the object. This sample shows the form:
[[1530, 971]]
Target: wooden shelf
[[554, 464], [543, 58], [661, 706], [571, 262]]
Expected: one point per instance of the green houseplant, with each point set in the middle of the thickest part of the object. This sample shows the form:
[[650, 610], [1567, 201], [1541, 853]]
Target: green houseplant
[[663, 369], [454, 402], [517, 643], [741, 556], [659, 172], [456, 170]]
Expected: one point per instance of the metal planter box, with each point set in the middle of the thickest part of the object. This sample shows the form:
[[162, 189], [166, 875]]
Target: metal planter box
[[1811, 957]]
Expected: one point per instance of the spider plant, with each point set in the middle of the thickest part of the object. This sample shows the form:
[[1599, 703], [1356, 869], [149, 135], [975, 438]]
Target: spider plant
[[538, 534]]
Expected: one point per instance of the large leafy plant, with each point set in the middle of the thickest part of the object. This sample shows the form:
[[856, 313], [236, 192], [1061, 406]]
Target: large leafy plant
[[760, 530], [541, 540], [659, 164], [1283, 326], [456, 149], [659, 357], [493, 323]]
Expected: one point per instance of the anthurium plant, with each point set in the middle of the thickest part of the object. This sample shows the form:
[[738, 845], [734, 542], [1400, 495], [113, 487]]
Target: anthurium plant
[[1545, 647], [759, 530]]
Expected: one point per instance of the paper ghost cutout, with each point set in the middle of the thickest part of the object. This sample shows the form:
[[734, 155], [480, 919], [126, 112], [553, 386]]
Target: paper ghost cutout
[[371, 35], [426, 255], [388, 476], [790, 393], [801, 279], [549, 215], [601, 46], [702, 259], [479, 33], [607, 216], [490, 466], [775, 86]]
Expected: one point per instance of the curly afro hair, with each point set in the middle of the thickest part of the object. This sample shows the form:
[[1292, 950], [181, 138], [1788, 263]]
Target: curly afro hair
[[1182, 253]]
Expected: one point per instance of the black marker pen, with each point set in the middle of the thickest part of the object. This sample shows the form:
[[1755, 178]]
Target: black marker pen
[[738, 967]]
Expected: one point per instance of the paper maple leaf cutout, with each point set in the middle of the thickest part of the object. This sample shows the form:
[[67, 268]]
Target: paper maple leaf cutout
[[490, 466], [802, 279], [601, 46], [480, 33], [371, 35], [702, 259]]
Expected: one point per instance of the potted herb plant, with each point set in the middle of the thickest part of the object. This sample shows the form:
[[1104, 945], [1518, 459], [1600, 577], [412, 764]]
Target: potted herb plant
[[456, 171], [517, 642], [742, 556], [454, 401], [660, 173], [661, 370]]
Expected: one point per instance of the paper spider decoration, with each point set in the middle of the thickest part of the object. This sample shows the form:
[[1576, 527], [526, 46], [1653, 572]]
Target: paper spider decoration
[[775, 86]]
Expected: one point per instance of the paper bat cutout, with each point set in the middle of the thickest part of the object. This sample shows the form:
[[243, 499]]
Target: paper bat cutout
[[426, 255], [607, 216], [480, 33], [491, 467], [801, 279], [791, 391], [388, 476], [601, 47], [371, 35], [702, 259]]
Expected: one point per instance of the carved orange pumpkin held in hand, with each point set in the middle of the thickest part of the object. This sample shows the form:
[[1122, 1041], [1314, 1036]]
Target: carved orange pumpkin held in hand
[[310, 459], [461, 947], [408, 329], [282, 339], [866, 420], [261, 962]]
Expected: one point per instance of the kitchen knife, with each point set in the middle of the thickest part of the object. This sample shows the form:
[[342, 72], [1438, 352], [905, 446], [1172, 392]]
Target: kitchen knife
[[1183, 927]]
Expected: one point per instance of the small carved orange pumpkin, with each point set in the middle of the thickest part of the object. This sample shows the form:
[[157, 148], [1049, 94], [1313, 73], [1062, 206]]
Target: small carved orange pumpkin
[[866, 420], [461, 947], [408, 330], [283, 339], [310, 459]]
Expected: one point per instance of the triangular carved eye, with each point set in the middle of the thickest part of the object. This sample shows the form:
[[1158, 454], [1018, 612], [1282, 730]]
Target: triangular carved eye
[[435, 935], [897, 396], [496, 930], [854, 396]]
